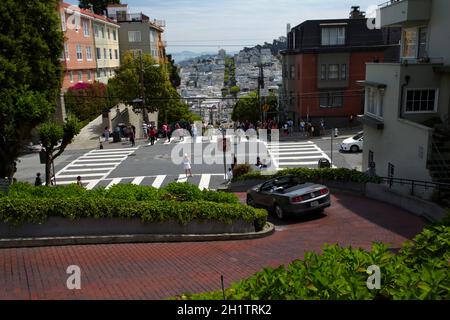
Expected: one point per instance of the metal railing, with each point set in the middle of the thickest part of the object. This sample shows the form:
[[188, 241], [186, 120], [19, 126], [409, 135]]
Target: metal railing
[[388, 3], [414, 184], [442, 162]]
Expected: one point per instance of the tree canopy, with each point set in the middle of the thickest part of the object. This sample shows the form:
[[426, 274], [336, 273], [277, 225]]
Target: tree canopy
[[246, 108], [31, 43]]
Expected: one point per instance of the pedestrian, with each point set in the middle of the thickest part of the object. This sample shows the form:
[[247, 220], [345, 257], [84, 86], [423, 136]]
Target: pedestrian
[[350, 121], [132, 136], [194, 133], [106, 133], [322, 126], [79, 183], [234, 164], [152, 134], [286, 129], [302, 126], [229, 174], [187, 165], [145, 129], [312, 130], [38, 181]]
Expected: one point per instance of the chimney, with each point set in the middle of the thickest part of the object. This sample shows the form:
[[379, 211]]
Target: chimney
[[288, 28], [356, 13]]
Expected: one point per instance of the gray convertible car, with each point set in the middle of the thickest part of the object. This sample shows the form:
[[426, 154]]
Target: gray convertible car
[[288, 195]]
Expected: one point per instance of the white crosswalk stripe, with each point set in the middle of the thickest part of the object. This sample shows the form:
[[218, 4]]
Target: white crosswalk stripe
[[202, 181], [296, 154], [93, 166]]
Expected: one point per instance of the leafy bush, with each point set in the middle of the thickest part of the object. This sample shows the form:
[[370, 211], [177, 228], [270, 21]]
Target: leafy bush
[[17, 211], [130, 192], [240, 170], [419, 271], [181, 192], [317, 175]]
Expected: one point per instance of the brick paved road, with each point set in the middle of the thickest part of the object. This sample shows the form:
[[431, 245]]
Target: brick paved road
[[158, 271]]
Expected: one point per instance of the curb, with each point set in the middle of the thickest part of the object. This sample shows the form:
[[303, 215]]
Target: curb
[[269, 229]]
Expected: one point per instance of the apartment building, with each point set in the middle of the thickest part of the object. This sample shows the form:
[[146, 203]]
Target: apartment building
[[138, 33], [324, 60], [78, 57], [106, 39], [407, 102]]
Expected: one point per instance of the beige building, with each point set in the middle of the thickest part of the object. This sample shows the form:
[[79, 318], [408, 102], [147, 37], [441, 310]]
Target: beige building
[[407, 103], [107, 55]]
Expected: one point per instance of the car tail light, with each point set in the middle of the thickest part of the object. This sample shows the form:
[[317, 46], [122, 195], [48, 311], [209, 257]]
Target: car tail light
[[324, 191], [297, 199]]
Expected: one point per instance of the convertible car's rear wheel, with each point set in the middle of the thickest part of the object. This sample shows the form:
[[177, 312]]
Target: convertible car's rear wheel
[[250, 201], [279, 212]]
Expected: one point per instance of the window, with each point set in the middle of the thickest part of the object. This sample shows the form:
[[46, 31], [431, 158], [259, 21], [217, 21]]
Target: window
[[421, 100], [88, 53], [116, 54], [109, 35], [98, 73], [89, 75], [99, 53], [323, 72], [343, 72], [423, 42], [66, 50], [331, 99], [71, 76], [110, 54], [79, 53], [333, 36], [80, 76], [86, 32], [134, 36], [333, 72], [103, 32], [374, 103], [63, 22], [409, 49], [104, 54], [291, 74], [114, 35], [136, 52]]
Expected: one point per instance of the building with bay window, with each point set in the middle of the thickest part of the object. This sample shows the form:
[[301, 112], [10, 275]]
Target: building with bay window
[[324, 60], [407, 102]]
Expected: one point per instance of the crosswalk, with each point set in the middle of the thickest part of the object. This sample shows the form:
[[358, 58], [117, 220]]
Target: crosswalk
[[93, 166], [203, 181], [201, 139], [295, 154]]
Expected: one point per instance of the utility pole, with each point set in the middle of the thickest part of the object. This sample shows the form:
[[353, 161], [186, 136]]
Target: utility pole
[[260, 86]]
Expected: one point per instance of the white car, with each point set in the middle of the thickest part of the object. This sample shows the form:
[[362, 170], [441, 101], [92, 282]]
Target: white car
[[353, 144]]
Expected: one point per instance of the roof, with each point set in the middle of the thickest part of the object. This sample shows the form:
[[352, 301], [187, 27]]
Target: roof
[[88, 13]]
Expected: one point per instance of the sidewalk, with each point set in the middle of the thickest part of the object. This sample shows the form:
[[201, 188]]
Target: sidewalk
[[342, 133]]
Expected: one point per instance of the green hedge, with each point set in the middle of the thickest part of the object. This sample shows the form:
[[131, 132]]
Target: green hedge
[[420, 270], [306, 174], [17, 211], [173, 191]]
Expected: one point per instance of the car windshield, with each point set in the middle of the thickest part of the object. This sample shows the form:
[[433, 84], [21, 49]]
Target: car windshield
[[358, 136]]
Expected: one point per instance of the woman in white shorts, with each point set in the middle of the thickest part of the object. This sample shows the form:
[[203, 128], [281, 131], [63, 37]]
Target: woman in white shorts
[[187, 165]]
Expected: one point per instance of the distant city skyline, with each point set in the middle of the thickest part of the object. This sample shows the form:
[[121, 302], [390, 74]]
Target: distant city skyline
[[207, 26]]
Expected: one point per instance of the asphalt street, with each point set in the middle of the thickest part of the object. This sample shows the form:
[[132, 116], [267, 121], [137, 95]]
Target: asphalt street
[[160, 164]]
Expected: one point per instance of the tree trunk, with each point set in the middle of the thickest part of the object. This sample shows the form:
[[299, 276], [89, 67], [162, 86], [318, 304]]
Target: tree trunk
[[48, 168]]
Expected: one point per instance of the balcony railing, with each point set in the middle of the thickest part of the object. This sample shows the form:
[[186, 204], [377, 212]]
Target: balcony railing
[[400, 12], [127, 17]]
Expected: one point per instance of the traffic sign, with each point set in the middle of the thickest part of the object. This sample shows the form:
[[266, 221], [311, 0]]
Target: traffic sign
[[266, 107]]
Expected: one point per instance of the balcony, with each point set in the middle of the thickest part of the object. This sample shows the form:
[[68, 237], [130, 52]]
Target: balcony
[[397, 13]]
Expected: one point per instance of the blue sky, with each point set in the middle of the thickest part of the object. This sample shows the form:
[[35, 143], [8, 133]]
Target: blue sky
[[207, 25]]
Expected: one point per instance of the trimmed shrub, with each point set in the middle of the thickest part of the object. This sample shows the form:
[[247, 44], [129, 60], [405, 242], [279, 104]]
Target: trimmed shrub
[[18, 211], [220, 197], [241, 170], [313, 175], [181, 192], [419, 271]]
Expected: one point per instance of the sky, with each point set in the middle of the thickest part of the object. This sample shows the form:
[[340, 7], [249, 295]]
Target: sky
[[208, 25]]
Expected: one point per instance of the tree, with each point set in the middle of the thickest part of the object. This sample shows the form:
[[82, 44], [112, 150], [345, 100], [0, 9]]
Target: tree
[[174, 76], [87, 101], [55, 138], [246, 108], [31, 43], [159, 93], [234, 90], [99, 5]]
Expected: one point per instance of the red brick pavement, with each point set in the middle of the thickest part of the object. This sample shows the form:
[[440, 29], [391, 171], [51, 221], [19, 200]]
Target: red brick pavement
[[162, 270]]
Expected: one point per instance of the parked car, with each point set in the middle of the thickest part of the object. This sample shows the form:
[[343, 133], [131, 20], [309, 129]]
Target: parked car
[[289, 195], [353, 144]]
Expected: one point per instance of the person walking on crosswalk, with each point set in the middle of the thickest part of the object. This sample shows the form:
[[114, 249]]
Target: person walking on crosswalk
[[187, 165]]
